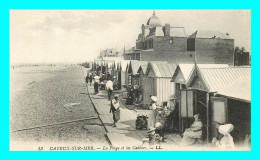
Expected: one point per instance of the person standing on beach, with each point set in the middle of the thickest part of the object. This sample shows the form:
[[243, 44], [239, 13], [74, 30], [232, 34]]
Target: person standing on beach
[[96, 82], [109, 86], [115, 109], [90, 79], [86, 79]]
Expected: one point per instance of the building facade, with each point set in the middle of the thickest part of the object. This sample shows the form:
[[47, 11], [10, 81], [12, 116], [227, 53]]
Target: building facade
[[159, 42]]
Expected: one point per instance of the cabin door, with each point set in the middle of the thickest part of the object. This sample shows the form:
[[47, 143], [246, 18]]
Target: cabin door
[[218, 113], [187, 108]]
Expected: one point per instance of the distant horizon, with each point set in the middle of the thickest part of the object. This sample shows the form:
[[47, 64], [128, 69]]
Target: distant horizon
[[44, 63]]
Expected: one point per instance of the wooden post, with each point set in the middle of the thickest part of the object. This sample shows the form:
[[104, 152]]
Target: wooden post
[[208, 105], [180, 129]]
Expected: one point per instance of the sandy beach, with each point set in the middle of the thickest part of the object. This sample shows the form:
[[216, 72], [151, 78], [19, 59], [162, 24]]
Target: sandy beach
[[48, 97]]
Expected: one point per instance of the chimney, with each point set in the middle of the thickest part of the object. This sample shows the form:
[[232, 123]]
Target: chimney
[[167, 30]]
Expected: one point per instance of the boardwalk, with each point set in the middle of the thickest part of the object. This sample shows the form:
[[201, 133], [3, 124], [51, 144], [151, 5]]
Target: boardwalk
[[125, 133]]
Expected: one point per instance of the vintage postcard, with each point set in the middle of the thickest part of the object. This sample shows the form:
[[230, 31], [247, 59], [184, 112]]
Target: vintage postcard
[[130, 80]]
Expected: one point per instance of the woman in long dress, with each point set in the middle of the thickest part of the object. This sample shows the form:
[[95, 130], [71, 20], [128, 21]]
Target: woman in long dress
[[152, 112], [192, 133], [115, 109]]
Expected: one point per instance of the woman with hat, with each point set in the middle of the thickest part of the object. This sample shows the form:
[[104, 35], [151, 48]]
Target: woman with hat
[[152, 113], [115, 109], [194, 132], [226, 142]]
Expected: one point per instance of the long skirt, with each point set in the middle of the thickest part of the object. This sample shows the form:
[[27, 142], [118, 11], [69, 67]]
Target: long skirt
[[190, 137], [96, 87], [151, 119], [116, 115]]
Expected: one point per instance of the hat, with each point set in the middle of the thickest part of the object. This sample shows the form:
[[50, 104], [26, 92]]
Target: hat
[[225, 129], [116, 95], [153, 98], [157, 124], [151, 129]]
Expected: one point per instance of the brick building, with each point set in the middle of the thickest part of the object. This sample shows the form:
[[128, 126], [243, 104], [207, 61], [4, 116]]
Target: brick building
[[159, 42], [211, 47]]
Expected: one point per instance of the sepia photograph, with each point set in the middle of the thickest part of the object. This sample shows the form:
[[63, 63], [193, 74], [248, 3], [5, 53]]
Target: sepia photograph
[[130, 80]]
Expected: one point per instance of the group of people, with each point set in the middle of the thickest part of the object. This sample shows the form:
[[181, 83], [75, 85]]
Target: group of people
[[99, 79], [133, 94], [160, 119], [96, 78], [222, 140], [102, 80]]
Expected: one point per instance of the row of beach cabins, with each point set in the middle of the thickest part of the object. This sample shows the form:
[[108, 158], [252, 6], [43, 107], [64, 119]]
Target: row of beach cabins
[[219, 92]]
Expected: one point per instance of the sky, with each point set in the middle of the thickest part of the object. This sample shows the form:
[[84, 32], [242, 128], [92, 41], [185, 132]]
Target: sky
[[71, 36]]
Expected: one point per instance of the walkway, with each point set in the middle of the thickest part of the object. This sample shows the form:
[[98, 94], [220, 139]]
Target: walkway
[[125, 132]]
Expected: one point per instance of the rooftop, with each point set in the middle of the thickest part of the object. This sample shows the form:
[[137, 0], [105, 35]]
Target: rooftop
[[210, 34], [163, 69]]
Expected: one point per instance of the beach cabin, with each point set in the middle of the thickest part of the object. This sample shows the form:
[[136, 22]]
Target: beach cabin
[[117, 74], [122, 71], [158, 82], [133, 76], [213, 93], [187, 97], [110, 66], [128, 76], [235, 100], [181, 76]]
